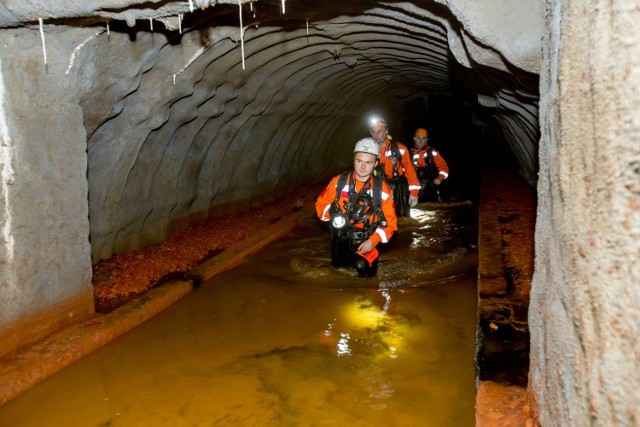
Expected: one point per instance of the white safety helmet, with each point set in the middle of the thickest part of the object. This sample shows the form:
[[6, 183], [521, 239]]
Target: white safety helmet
[[367, 145]]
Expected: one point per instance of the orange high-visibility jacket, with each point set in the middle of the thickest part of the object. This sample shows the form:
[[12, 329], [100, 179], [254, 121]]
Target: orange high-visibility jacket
[[420, 158], [404, 168], [328, 195]]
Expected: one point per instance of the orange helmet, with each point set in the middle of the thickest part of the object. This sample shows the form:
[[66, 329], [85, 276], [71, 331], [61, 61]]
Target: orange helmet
[[421, 132]]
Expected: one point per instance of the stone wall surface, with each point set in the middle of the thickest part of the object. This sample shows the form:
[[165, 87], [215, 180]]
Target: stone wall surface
[[584, 317], [45, 228], [521, 28]]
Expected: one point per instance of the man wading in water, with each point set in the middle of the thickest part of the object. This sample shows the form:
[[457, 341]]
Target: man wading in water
[[361, 212]]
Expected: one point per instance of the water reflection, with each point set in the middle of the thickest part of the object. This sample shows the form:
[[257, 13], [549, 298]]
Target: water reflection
[[285, 340]]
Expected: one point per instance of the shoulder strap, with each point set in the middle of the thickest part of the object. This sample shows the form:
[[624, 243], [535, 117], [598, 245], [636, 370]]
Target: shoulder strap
[[431, 163], [377, 199], [395, 149], [397, 156], [430, 154], [340, 185], [377, 192]]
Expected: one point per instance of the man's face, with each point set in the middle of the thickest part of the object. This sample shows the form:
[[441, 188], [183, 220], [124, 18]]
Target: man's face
[[363, 165], [420, 141], [378, 133]]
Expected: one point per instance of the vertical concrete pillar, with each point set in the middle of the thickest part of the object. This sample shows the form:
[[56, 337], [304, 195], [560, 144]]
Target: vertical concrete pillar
[[45, 264], [584, 315]]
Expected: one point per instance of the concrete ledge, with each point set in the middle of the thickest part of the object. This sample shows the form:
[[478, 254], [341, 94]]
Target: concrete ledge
[[39, 361], [502, 405], [23, 371], [28, 330]]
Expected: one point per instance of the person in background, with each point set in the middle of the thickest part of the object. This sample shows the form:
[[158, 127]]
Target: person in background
[[395, 163], [360, 210], [432, 169]]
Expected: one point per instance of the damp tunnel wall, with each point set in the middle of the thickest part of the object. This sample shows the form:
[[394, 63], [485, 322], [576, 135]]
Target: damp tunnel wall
[[584, 316]]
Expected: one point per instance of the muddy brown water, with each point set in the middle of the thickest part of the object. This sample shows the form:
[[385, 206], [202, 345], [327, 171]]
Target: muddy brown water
[[285, 340]]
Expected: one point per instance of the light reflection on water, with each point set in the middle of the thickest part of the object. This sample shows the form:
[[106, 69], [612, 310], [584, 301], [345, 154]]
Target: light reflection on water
[[284, 340]]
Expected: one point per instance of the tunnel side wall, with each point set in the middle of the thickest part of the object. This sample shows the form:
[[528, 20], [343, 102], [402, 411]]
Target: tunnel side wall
[[45, 270], [584, 314]]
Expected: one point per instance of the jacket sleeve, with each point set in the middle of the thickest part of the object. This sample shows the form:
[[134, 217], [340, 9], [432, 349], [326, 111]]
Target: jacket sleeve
[[443, 168], [383, 234], [410, 173], [323, 203]]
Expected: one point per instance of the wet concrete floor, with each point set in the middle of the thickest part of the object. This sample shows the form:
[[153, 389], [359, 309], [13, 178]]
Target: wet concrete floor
[[286, 340]]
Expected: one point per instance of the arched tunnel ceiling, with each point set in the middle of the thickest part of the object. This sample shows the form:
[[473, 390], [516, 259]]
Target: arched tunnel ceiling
[[180, 121]]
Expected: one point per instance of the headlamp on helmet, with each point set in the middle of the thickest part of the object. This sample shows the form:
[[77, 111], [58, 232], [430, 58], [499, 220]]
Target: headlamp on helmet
[[377, 121]]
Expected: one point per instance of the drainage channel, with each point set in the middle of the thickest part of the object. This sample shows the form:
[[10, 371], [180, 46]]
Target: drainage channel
[[284, 339]]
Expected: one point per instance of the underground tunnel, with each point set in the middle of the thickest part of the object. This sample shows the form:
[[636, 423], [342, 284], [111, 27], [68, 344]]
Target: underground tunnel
[[124, 122]]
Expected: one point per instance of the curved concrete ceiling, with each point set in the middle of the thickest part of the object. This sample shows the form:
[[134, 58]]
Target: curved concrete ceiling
[[184, 113]]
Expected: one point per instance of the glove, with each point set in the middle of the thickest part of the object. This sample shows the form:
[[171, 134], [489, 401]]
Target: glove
[[437, 181], [413, 201]]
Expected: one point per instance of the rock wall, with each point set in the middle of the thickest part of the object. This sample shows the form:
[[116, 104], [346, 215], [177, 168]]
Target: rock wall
[[45, 267], [584, 316]]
